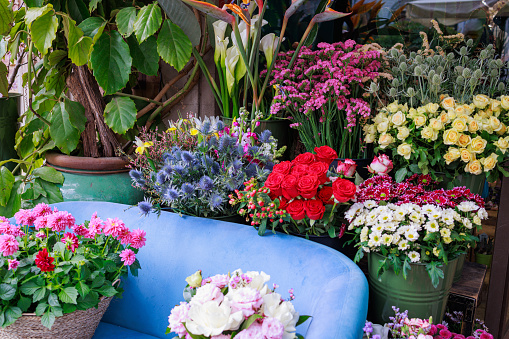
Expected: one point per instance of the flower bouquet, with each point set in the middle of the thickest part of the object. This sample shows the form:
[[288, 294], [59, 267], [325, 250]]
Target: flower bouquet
[[409, 223], [196, 177], [52, 266], [239, 305], [300, 196]]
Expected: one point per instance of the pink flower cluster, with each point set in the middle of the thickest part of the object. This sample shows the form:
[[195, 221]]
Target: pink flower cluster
[[335, 73], [418, 189]]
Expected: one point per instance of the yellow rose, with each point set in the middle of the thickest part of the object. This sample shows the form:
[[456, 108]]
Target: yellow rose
[[412, 112], [459, 125], [403, 108], [398, 119], [451, 137], [420, 120], [482, 114], [429, 133], [436, 124], [448, 158], [477, 145], [481, 101], [460, 110], [474, 167], [466, 155], [495, 105], [393, 107], [454, 152], [502, 129], [385, 140], [464, 140], [195, 279], [432, 108], [405, 150], [504, 101], [444, 118], [473, 126], [448, 103], [379, 118], [369, 138], [421, 110], [490, 162], [468, 109], [494, 123], [371, 129], [403, 133], [451, 114], [382, 127]]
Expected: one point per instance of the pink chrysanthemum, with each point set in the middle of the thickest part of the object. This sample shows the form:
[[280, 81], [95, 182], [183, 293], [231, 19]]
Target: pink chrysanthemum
[[8, 244], [80, 230], [114, 227], [40, 235], [41, 210], [125, 236], [128, 257], [12, 264], [138, 238], [25, 217], [71, 241], [59, 221]]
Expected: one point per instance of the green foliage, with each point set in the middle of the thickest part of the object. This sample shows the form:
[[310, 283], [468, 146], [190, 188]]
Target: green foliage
[[120, 114], [173, 45], [147, 22]]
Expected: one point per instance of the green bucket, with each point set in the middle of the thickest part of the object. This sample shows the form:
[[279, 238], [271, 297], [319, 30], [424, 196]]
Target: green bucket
[[459, 267], [9, 113], [484, 259], [415, 294]]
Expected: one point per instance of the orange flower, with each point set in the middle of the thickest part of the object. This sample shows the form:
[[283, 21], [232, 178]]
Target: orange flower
[[239, 11]]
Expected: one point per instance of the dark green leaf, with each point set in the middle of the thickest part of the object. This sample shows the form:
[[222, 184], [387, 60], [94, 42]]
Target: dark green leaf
[[111, 62], [48, 174], [4, 84], [125, 21], [6, 185], [93, 5], [59, 247], [91, 26], [44, 31], [12, 313], [107, 290], [91, 300], [98, 281], [173, 45], [79, 45], [52, 193], [39, 294], [24, 303], [69, 308], [78, 10], [182, 16], [48, 319], [62, 131], [120, 114], [5, 17], [40, 309], [147, 22], [68, 295], [82, 288], [401, 174], [435, 273], [30, 287], [302, 319], [56, 56], [7, 292], [145, 57]]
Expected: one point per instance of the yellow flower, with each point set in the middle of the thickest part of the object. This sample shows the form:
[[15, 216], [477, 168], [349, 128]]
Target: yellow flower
[[481, 101], [393, 107], [445, 232], [369, 138], [495, 106], [379, 118], [468, 109], [382, 127], [142, 146], [385, 140], [466, 155], [448, 158], [490, 162], [464, 140], [194, 131], [459, 125], [451, 137], [444, 118], [436, 124], [398, 119], [474, 167], [420, 120], [171, 129], [421, 110], [473, 126], [504, 101], [502, 129], [412, 112], [195, 279], [432, 108], [448, 103], [494, 123], [454, 152], [460, 110], [502, 144], [447, 240], [429, 133], [436, 251], [477, 145], [403, 133], [451, 114], [370, 129], [405, 150]]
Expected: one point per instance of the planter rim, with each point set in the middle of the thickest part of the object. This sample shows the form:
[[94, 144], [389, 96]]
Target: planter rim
[[86, 165], [417, 263], [12, 95], [103, 298]]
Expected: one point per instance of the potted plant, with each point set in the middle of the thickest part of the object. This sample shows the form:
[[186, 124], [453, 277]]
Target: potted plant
[[58, 277], [301, 197], [413, 237], [484, 250], [241, 304], [195, 165], [70, 52]]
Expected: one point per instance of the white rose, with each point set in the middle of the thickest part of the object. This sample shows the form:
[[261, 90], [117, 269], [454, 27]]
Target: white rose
[[212, 318], [258, 281], [382, 127], [397, 119], [282, 311], [403, 133]]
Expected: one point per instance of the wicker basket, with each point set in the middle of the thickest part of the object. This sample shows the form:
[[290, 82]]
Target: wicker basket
[[75, 325]]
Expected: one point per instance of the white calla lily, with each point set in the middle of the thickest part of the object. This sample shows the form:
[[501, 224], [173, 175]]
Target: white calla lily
[[219, 29], [254, 26], [268, 45], [220, 50], [231, 60]]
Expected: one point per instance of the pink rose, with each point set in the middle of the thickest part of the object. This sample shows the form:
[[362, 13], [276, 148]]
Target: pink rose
[[346, 168], [247, 300], [252, 332], [219, 280], [179, 315], [272, 328], [380, 165], [208, 292]]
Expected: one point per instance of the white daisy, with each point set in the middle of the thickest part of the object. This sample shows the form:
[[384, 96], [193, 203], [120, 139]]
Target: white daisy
[[415, 216], [411, 234], [432, 226], [396, 238], [376, 238], [371, 218], [467, 206], [448, 217], [403, 245], [387, 239], [445, 232], [414, 256], [385, 216], [370, 204]]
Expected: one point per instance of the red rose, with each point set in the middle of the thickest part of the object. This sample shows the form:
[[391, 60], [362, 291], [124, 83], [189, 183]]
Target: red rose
[[314, 209], [325, 195], [299, 170], [307, 186], [44, 261], [343, 189], [325, 154], [283, 203], [320, 169], [283, 167], [296, 209], [304, 158], [273, 183], [289, 187]]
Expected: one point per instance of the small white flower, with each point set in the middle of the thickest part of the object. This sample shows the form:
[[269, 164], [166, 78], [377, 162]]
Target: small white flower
[[359, 220], [378, 228], [467, 223], [365, 249], [448, 217], [414, 256], [370, 204], [482, 214], [403, 245], [387, 239], [371, 218], [390, 226], [432, 226], [477, 220], [411, 234], [375, 238], [428, 209], [399, 214], [467, 206], [396, 238], [415, 216], [456, 216], [364, 234], [385, 216], [445, 232]]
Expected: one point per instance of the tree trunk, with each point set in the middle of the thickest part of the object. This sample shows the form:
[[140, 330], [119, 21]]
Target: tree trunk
[[85, 90]]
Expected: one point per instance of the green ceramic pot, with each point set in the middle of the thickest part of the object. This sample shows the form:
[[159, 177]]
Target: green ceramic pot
[[415, 294], [95, 179], [459, 267], [9, 113], [484, 259]]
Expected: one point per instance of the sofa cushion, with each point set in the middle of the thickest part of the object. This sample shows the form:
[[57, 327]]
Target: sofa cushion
[[109, 331]]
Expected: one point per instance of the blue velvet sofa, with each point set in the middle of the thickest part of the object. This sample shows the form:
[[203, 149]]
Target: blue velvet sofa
[[327, 285]]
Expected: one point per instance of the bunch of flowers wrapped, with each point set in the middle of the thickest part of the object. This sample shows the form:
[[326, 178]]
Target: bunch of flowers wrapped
[[52, 266], [407, 223], [239, 305], [324, 94], [300, 196], [197, 181], [449, 137]]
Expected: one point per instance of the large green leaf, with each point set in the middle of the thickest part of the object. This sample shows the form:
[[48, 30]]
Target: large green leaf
[[7, 292], [111, 62], [44, 30], [76, 114], [68, 295], [79, 45], [93, 5], [4, 83], [180, 14], [51, 194], [173, 45], [147, 22], [125, 21], [78, 10], [35, 12], [120, 114], [6, 183], [12, 313], [48, 319], [49, 174], [92, 25], [145, 57], [5, 17], [63, 131]]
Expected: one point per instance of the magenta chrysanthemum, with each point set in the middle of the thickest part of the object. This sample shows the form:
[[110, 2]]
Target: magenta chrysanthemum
[[12, 264], [114, 227], [138, 238], [128, 257], [8, 245], [59, 221]]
